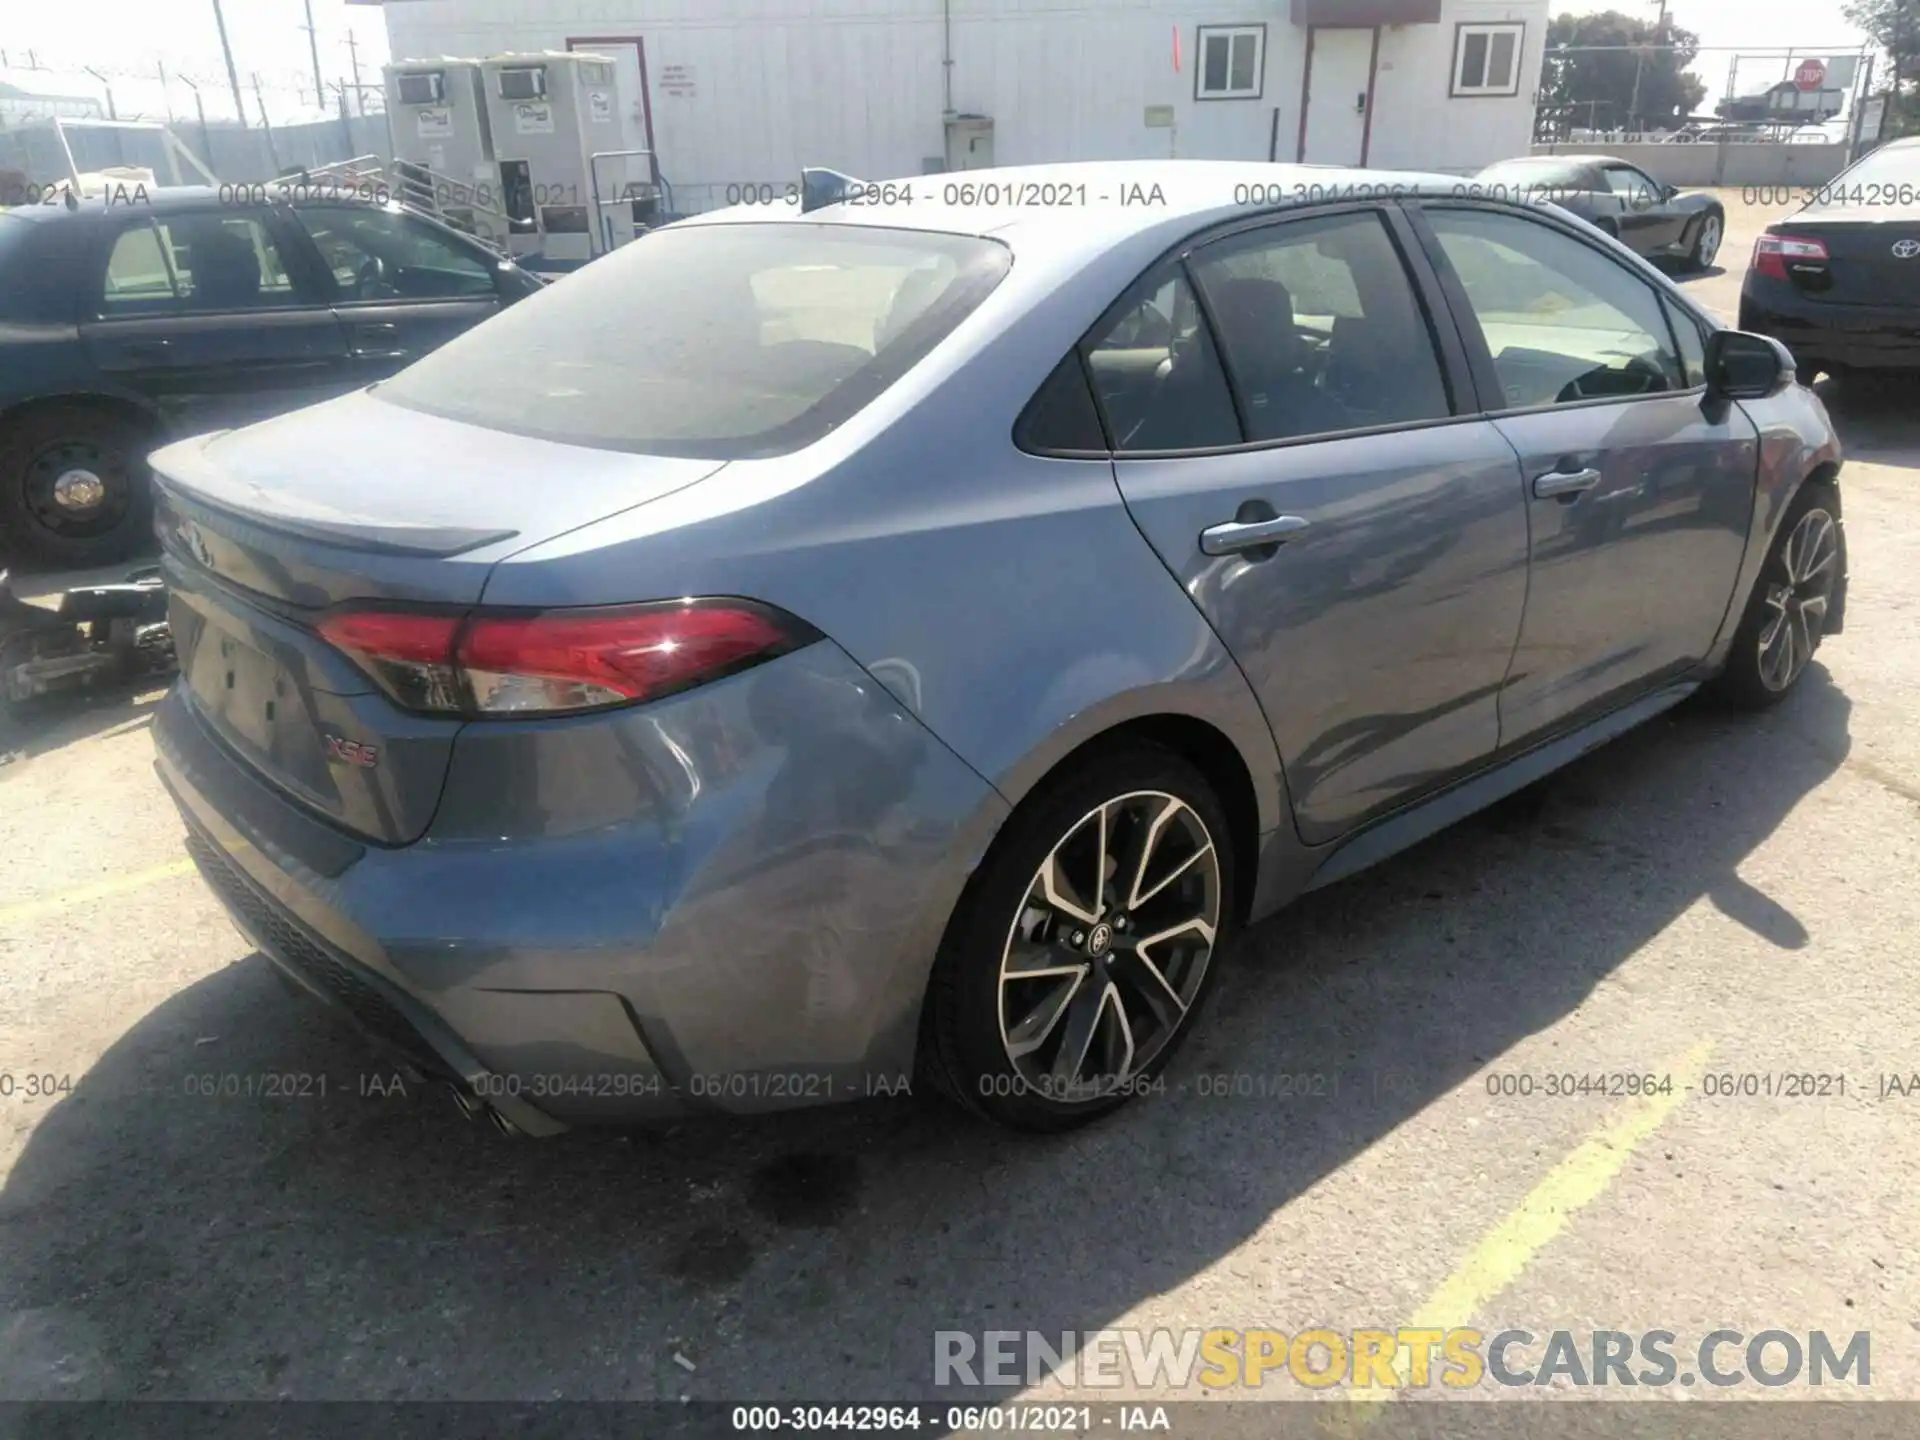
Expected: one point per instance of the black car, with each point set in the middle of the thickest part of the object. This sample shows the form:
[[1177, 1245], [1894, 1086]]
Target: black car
[[144, 316], [1653, 219], [1839, 279]]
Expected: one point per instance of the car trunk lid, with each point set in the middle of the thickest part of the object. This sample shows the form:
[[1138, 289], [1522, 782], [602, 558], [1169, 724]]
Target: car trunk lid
[[1872, 255], [356, 501]]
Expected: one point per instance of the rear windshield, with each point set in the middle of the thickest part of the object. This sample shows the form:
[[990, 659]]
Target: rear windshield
[[1889, 176], [712, 341]]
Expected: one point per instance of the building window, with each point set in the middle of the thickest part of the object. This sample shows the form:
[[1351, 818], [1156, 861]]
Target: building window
[[1231, 62], [1486, 59]]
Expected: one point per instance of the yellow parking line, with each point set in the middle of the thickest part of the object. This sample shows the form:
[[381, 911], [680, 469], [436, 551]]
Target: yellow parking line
[[24, 910], [1505, 1251]]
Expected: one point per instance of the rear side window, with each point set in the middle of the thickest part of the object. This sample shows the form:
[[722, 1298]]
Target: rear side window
[[1321, 328], [38, 270], [713, 341], [1563, 322], [1156, 372], [190, 264], [1061, 419]]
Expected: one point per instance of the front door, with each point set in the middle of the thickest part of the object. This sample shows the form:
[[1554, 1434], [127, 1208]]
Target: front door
[[1338, 91], [1360, 549], [199, 311], [1640, 489]]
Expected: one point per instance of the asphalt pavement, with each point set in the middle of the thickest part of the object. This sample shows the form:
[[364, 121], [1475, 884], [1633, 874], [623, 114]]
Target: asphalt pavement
[[1712, 898]]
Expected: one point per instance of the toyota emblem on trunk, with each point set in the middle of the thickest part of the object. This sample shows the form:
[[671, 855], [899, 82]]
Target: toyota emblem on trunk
[[1906, 249]]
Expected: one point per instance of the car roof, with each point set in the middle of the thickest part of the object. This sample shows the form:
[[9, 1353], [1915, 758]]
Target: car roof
[[1563, 161], [1087, 207], [168, 199]]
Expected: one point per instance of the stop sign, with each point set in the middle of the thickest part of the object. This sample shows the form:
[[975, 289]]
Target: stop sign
[[1811, 75]]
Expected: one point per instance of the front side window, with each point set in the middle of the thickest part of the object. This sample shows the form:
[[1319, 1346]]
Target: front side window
[[382, 255], [1563, 322], [1231, 62], [1631, 186], [1486, 59], [1156, 373], [1321, 329], [714, 341], [195, 264]]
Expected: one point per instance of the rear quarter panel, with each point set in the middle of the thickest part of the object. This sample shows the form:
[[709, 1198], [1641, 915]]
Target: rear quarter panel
[[1007, 600]]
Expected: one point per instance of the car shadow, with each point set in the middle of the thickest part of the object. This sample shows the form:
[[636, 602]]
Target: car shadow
[[161, 1241], [55, 721]]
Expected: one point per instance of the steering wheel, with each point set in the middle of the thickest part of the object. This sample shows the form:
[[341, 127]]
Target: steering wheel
[[371, 283], [1639, 376]]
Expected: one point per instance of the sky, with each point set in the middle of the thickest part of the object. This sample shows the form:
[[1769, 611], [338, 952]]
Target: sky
[[127, 39]]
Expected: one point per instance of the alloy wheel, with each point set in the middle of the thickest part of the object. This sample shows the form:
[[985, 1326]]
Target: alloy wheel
[[1798, 602], [1709, 240], [1109, 947]]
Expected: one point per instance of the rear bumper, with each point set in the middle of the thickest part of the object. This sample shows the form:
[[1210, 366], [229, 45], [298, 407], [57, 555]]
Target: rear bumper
[[1858, 337], [728, 900]]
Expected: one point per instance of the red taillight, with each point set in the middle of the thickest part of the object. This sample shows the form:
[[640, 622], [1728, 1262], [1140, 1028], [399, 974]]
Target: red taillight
[[1773, 253], [559, 661], [409, 652]]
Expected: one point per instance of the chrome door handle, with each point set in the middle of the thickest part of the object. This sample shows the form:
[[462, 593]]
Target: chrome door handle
[[1249, 535], [1564, 482]]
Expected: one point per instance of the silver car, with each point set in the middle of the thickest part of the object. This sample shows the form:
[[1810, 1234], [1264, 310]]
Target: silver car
[[804, 654]]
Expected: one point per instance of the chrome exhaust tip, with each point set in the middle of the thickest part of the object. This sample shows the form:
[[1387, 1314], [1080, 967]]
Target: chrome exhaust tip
[[503, 1124], [469, 1103]]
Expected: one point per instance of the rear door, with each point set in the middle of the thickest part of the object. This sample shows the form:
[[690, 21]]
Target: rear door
[[1640, 490], [200, 311], [1355, 536], [400, 285]]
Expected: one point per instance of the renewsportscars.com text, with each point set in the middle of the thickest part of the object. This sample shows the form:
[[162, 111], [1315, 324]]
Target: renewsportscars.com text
[[1398, 1359]]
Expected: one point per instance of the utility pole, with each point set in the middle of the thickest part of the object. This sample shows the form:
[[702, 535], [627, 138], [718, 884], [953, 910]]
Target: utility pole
[[106, 85], [260, 99], [1639, 68], [313, 45], [233, 75], [353, 54], [206, 140]]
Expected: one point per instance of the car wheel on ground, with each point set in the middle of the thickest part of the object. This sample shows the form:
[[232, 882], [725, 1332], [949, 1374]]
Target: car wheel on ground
[[1706, 241], [1078, 959], [74, 485], [1787, 612]]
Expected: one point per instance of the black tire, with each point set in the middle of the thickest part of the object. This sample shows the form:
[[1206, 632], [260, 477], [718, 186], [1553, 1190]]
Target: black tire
[[40, 447], [962, 1051], [1697, 256], [1745, 682]]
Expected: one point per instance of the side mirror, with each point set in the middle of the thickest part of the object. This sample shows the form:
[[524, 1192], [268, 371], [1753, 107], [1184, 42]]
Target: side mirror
[[1741, 366], [1669, 192]]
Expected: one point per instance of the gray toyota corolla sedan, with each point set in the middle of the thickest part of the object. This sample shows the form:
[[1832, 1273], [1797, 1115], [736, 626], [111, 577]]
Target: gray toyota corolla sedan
[[806, 650]]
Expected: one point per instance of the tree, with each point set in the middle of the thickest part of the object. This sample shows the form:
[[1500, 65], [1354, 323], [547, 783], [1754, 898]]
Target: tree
[[1592, 64], [1894, 26]]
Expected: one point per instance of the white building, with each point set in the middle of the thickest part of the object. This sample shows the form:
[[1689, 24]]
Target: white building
[[729, 93]]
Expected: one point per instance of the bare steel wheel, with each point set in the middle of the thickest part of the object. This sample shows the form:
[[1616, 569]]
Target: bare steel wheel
[[1084, 946], [1786, 615]]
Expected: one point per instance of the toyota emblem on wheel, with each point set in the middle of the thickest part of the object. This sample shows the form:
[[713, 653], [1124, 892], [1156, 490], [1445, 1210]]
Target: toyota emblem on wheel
[[1906, 249]]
